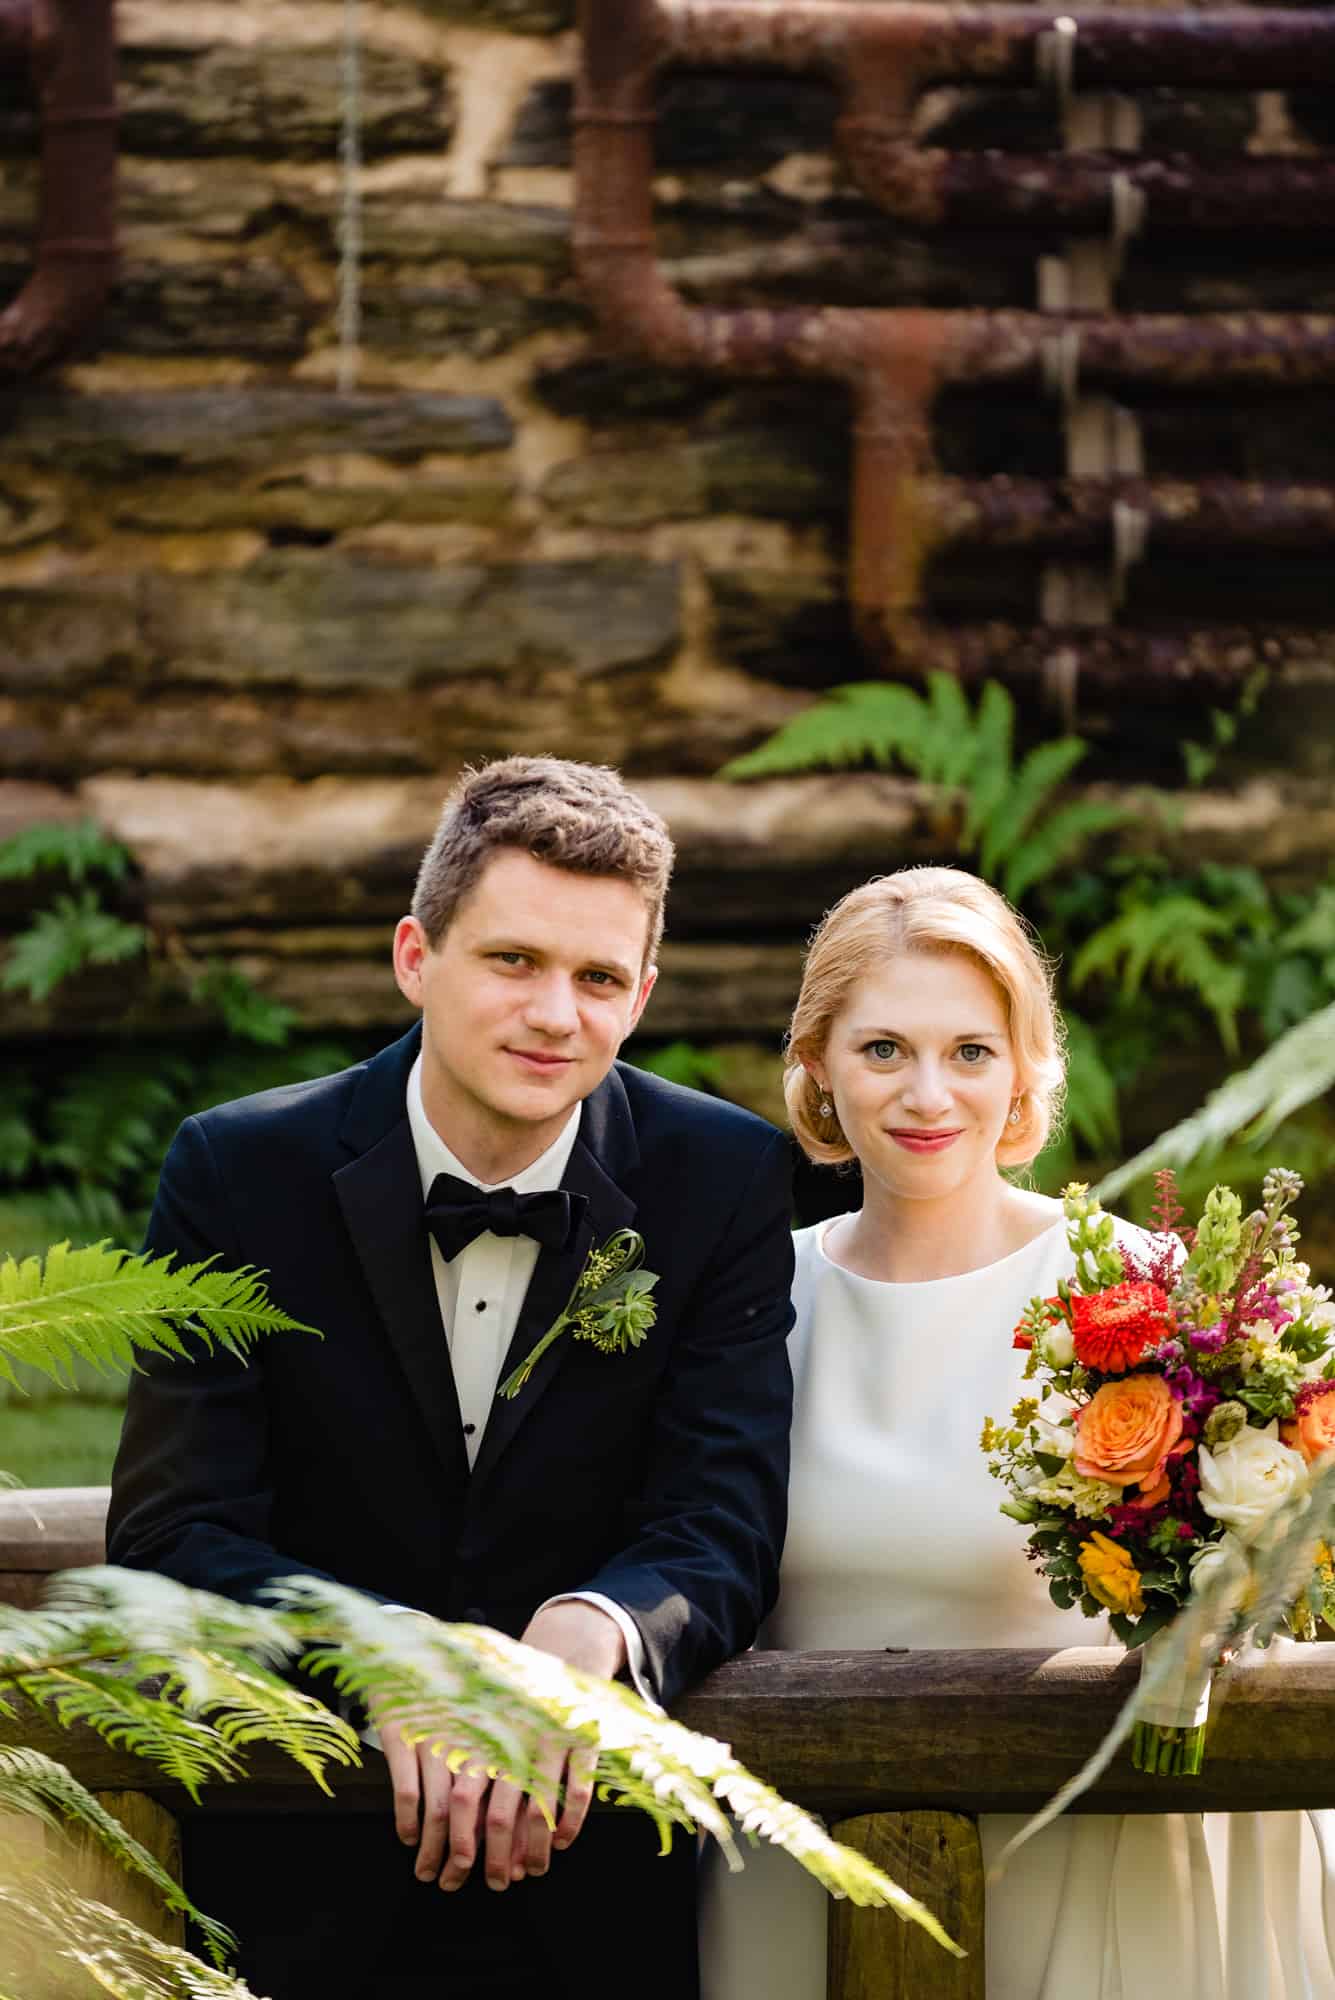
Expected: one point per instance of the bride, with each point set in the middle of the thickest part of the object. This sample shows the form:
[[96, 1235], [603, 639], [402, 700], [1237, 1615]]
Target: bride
[[925, 1045]]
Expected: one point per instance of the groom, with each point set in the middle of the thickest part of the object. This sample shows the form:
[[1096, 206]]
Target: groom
[[429, 1211]]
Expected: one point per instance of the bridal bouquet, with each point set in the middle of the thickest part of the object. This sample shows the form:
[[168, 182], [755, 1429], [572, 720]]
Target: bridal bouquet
[[1184, 1393]]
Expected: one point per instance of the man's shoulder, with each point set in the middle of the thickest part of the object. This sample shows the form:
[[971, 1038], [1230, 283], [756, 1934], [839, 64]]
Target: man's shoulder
[[665, 1112]]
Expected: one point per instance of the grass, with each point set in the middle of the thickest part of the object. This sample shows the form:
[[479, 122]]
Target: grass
[[59, 1443]]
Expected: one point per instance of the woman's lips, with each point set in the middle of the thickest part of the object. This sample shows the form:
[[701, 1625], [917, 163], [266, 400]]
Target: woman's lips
[[925, 1142]]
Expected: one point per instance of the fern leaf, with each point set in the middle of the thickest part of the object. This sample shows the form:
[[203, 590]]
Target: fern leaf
[[45, 1923], [115, 1117], [18, 1137], [1295, 1070], [79, 848], [32, 1220], [1058, 838], [100, 1305], [246, 1012], [1033, 784], [991, 760], [74, 932], [1091, 1092], [1169, 940], [865, 722], [500, 1699], [948, 752], [37, 1785]]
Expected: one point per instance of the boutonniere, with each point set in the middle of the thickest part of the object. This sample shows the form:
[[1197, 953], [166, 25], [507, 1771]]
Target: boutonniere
[[612, 1305]]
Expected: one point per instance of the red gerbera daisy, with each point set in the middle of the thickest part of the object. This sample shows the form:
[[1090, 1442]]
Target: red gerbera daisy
[[1114, 1329]]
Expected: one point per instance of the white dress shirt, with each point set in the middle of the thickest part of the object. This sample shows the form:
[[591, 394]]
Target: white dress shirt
[[481, 1293]]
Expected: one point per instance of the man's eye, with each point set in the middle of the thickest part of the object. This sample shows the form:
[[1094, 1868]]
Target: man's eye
[[601, 978], [510, 957]]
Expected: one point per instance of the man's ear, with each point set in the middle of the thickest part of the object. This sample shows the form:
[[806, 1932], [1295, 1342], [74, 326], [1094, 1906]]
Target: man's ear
[[410, 949], [647, 985]]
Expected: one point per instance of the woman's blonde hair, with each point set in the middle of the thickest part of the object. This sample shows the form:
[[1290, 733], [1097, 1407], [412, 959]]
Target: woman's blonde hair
[[927, 910]]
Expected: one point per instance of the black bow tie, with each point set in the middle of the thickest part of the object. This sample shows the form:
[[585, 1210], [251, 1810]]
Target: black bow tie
[[457, 1212]]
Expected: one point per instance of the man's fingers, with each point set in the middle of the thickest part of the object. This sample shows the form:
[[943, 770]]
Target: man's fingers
[[533, 1834], [468, 1795], [503, 1809], [437, 1786], [401, 1759], [580, 1770]]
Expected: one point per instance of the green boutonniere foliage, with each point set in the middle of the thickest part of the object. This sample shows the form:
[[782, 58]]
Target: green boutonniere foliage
[[612, 1305]]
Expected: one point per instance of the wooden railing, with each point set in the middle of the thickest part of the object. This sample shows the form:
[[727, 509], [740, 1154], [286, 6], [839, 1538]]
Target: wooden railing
[[900, 1750]]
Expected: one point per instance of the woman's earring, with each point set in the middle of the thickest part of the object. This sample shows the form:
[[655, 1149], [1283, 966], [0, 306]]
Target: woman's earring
[[826, 1108], [1014, 1118]]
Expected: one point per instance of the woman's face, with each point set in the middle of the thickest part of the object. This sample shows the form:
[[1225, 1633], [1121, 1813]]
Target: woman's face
[[920, 1067]]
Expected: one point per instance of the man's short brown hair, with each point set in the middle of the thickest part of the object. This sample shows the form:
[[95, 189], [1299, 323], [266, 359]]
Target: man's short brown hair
[[581, 817]]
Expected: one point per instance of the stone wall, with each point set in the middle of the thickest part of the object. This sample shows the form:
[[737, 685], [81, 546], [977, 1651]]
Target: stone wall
[[254, 625]]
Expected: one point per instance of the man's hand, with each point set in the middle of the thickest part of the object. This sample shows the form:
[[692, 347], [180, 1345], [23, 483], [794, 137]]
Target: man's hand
[[445, 1815]]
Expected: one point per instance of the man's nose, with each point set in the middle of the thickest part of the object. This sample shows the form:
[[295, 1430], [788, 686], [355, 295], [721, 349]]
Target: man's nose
[[552, 1008]]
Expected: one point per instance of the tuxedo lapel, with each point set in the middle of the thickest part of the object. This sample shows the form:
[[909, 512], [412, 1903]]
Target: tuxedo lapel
[[380, 1194], [603, 1155]]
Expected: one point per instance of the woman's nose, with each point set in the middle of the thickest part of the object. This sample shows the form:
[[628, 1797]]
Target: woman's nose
[[926, 1090]]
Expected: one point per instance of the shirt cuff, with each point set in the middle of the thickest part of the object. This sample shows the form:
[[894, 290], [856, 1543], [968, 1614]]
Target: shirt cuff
[[630, 1632]]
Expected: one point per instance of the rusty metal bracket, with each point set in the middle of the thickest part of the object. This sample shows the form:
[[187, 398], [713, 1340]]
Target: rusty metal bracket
[[882, 54], [68, 47]]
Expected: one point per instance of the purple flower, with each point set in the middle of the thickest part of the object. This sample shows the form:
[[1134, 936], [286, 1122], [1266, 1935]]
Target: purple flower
[[1209, 1339]]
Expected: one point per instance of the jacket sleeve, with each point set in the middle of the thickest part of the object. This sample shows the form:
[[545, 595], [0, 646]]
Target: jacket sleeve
[[191, 1496], [699, 1570]]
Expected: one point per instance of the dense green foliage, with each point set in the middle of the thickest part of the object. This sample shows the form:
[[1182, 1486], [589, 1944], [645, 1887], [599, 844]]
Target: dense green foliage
[[1157, 957]]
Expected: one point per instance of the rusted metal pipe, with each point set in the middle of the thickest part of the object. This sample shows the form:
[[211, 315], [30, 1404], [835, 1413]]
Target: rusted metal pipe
[[897, 361], [73, 55], [1069, 515], [1243, 49], [935, 189]]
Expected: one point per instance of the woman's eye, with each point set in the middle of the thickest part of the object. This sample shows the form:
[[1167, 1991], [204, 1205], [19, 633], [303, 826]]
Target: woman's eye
[[884, 1050], [974, 1053]]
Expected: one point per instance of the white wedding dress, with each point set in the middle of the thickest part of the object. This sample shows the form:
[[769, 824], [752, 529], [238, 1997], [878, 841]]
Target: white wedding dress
[[895, 1539]]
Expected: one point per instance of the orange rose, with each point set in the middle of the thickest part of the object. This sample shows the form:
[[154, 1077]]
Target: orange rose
[[1126, 1432], [1311, 1429]]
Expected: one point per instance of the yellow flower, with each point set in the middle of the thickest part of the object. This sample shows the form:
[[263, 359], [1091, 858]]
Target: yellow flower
[[1110, 1575]]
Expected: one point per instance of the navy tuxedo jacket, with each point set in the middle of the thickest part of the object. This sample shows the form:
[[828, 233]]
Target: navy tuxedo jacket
[[657, 1477]]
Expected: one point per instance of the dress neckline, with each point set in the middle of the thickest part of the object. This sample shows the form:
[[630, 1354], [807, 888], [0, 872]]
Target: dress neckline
[[921, 1285]]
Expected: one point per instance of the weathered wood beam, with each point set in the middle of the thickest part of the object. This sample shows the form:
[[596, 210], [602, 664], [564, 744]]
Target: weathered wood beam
[[846, 1733]]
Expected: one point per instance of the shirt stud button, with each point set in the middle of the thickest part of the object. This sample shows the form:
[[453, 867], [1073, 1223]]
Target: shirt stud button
[[469, 1429]]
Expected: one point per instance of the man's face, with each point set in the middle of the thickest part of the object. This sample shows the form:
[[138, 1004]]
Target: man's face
[[525, 1002]]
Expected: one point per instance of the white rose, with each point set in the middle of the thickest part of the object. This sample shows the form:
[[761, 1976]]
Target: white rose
[[1247, 1478], [1052, 1423], [1058, 1346], [1212, 1556]]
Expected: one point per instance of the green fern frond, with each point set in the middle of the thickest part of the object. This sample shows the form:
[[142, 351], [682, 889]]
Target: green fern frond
[[246, 1012], [101, 1305], [43, 1923], [1168, 940], [78, 848], [37, 1785], [864, 722], [991, 759], [499, 1700], [1298, 1068], [115, 1117], [75, 931], [947, 751], [1058, 838], [1030, 789], [1091, 1090], [32, 1220]]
